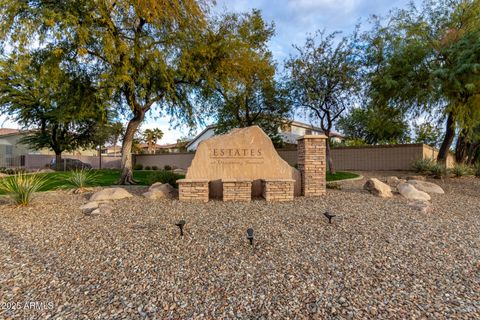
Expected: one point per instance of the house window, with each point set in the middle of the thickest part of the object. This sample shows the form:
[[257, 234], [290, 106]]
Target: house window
[[9, 150], [308, 131]]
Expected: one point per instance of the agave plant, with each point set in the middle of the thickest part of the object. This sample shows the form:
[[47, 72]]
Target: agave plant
[[21, 186], [82, 178]]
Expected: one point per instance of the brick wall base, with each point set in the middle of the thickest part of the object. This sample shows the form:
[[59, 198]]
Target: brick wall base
[[237, 190], [193, 190], [278, 189]]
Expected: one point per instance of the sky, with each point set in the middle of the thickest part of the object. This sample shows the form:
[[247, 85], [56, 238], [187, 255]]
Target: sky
[[293, 20]]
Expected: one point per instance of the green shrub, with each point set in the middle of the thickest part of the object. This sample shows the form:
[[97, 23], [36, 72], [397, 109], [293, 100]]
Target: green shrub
[[147, 168], [82, 178], [138, 166], [438, 171], [164, 176], [167, 167], [423, 165], [477, 170], [460, 170], [21, 186], [154, 168], [334, 186]]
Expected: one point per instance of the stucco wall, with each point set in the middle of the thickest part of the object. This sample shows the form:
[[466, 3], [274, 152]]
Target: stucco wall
[[364, 158]]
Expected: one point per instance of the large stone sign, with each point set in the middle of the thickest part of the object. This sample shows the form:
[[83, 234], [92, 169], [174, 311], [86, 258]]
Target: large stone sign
[[246, 153]]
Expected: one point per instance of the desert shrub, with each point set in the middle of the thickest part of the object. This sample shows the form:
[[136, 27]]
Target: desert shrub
[[334, 186], [423, 165], [138, 166], [154, 168], [438, 171], [22, 186], [167, 167], [164, 176], [460, 170], [147, 168], [82, 178]]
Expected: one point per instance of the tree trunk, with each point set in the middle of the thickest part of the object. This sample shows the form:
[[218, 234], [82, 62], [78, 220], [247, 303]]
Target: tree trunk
[[447, 140], [328, 154], [58, 161], [99, 153], [461, 147], [127, 165]]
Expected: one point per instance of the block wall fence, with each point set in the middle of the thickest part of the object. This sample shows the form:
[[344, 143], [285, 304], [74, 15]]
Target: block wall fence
[[362, 158]]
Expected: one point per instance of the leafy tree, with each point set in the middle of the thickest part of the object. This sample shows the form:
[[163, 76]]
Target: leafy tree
[[60, 106], [144, 53], [323, 80], [245, 91], [428, 134], [150, 136], [375, 125], [426, 60]]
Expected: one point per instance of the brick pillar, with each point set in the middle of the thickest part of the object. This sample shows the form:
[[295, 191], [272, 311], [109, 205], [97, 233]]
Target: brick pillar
[[311, 160]]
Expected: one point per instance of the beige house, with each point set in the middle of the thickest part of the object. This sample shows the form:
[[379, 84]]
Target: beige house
[[11, 150], [289, 132]]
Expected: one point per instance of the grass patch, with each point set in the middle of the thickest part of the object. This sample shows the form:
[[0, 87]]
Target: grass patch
[[105, 177], [341, 175]]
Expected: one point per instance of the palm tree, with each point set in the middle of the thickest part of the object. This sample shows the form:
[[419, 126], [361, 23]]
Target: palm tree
[[151, 136]]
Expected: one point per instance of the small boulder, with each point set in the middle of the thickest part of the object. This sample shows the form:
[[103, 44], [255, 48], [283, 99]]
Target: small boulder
[[393, 181], [420, 178], [110, 194], [180, 171], [3, 175], [422, 206], [95, 212], [105, 207], [89, 207], [410, 192], [378, 188], [426, 186], [161, 191]]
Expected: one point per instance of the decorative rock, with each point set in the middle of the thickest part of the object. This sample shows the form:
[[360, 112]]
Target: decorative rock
[[95, 212], [426, 186], [378, 188], [180, 171], [410, 192], [422, 206], [393, 181], [110, 194], [160, 190], [105, 207], [89, 207], [421, 178]]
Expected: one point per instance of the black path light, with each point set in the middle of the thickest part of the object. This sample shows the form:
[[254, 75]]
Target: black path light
[[250, 235], [329, 216], [180, 224]]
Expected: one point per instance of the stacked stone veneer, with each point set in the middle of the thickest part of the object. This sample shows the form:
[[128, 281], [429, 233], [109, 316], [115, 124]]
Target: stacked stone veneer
[[312, 164], [278, 189], [193, 190], [237, 190]]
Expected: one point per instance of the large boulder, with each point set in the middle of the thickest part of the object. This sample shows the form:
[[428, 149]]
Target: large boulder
[[410, 192], [378, 188], [161, 191], [426, 186], [110, 194]]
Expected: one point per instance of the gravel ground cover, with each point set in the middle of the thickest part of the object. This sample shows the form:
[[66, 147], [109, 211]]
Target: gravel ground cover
[[378, 259]]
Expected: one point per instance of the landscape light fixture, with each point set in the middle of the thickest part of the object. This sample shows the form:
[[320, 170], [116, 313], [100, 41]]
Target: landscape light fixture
[[180, 224], [250, 235], [329, 216]]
